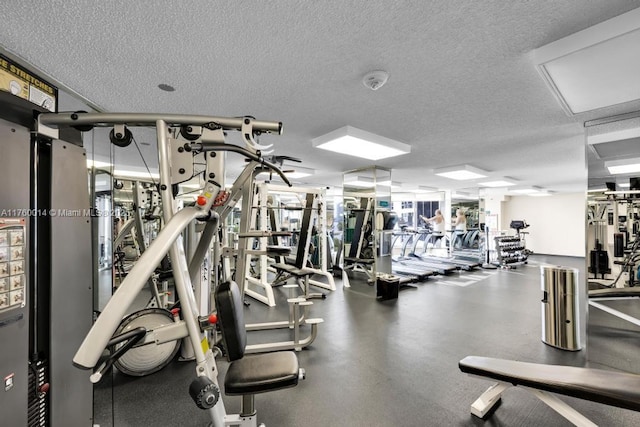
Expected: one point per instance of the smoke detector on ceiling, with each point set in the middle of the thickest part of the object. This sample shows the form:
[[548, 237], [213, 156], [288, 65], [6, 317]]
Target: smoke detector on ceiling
[[375, 79]]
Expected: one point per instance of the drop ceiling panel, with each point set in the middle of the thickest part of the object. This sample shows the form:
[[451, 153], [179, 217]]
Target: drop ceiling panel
[[599, 76]]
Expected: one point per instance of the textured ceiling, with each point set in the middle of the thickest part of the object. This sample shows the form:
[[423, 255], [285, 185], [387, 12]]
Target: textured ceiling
[[462, 88]]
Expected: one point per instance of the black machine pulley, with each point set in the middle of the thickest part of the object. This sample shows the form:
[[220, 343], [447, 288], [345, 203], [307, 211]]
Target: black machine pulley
[[204, 392], [188, 133], [81, 128], [121, 138]]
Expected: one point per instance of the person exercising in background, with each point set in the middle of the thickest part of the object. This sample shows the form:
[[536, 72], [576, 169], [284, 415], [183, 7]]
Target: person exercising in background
[[459, 227], [437, 220]]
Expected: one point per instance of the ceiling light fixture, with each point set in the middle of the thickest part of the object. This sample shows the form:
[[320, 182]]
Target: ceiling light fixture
[[425, 189], [462, 195], [359, 143], [531, 190], [461, 173], [498, 183], [392, 184], [540, 193], [596, 67], [617, 167], [299, 172], [358, 181]]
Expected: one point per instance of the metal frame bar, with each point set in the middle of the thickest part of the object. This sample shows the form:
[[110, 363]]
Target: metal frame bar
[[614, 312], [124, 231], [562, 408], [150, 119], [493, 394], [106, 324]]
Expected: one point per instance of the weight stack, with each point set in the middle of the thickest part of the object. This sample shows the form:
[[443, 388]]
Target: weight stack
[[37, 402]]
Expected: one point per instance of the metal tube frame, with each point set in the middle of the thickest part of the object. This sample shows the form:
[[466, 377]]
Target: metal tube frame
[[493, 394], [150, 119], [169, 239]]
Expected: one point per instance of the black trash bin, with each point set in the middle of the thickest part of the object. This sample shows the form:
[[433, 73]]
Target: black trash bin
[[387, 287], [560, 309]]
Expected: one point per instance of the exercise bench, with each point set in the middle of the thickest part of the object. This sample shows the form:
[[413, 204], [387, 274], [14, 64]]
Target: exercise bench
[[608, 387]]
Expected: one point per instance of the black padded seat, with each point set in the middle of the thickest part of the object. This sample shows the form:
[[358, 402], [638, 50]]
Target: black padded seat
[[252, 374], [597, 385], [259, 373], [615, 293], [293, 270], [359, 260], [278, 250]]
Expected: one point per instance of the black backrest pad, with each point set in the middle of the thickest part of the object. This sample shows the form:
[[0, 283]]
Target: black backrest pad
[[231, 319], [305, 231]]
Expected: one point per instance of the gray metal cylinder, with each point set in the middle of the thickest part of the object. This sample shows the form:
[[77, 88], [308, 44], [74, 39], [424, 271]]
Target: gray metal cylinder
[[560, 313]]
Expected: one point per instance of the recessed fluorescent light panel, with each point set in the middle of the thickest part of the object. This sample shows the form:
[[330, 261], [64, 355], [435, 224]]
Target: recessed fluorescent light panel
[[461, 173], [465, 196], [392, 184], [596, 67], [424, 189], [540, 193], [358, 181], [525, 191], [359, 143], [617, 167], [498, 183], [299, 172]]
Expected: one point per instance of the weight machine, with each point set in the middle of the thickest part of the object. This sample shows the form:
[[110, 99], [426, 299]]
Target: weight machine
[[45, 271], [268, 217], [244, 254], [180, 137]]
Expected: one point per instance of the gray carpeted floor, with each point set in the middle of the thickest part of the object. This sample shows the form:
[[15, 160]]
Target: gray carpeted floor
[[394, 363]]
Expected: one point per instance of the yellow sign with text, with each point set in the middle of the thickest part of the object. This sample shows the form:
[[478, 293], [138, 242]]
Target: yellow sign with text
[[22, 84]]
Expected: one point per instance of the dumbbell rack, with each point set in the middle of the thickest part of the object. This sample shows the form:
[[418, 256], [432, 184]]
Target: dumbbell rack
[[510, 251]]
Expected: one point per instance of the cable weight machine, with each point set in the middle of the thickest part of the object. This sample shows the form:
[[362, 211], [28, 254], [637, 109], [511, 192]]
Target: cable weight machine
[[203, 134]]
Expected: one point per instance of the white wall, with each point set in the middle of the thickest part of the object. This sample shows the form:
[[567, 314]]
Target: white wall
[[557, 222]]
